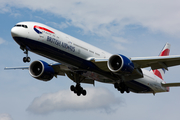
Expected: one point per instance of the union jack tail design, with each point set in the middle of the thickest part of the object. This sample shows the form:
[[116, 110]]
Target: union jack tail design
[[165, 52]]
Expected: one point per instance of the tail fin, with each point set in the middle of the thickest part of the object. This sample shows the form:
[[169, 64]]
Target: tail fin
[[165, 52]]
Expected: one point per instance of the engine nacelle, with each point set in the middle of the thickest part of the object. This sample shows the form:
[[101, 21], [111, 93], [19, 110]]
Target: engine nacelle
[[120, 63], [41, 70]]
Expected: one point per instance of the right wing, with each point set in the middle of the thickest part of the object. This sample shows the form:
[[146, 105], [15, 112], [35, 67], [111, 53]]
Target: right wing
[[14, 68], [59, 69]]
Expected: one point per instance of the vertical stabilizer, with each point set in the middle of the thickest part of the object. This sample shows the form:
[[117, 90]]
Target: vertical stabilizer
[[165, 52]]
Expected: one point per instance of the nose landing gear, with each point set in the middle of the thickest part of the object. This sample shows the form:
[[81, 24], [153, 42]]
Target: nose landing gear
[[26, 59]]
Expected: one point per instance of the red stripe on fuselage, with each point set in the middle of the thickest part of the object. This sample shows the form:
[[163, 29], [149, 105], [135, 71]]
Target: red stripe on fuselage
[[42, 28]]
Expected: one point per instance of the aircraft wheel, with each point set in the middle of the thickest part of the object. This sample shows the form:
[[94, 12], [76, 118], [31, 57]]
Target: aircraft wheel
[[122, 91], [72, 88], [24, 59], [84, 92], [78, 90], [78, 93], [28, 59], [128, 91]]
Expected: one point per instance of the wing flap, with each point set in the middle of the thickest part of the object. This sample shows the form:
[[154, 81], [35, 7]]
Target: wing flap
[[100, 63], [60, 69]]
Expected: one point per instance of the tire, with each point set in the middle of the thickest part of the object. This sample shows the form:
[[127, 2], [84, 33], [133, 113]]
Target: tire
[[127, 90], [84, 92], [24, 59], [28, 59], [72, 88], [78, 93], [122, 91]]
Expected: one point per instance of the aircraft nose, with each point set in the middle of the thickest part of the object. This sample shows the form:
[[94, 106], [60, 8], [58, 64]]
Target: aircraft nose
[[19, 31], [14, 32]]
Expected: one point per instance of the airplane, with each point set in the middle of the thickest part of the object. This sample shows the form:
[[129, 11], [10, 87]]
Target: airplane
[[84, 63]]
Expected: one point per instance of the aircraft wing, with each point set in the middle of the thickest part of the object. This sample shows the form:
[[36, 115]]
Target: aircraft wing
[[59, 68], [22, 68], [156, 62]]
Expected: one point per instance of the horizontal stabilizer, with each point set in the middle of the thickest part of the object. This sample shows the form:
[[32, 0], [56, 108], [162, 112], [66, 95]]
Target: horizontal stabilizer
[[171, 84]]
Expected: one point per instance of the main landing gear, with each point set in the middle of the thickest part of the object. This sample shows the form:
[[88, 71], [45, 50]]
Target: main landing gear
[[121, 87], [78, 90], [77, 78], [26, 59]]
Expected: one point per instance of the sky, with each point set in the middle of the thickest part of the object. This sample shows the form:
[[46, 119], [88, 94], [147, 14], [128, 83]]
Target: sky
[[135, 28]]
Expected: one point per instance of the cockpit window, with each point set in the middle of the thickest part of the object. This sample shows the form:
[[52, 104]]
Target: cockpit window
[[19, 25]]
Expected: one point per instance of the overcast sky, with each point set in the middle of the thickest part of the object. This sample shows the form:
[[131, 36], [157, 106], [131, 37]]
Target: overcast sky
[[135, 28]]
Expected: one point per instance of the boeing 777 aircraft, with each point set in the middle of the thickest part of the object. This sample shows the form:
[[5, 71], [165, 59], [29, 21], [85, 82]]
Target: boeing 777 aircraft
[[84, 63]]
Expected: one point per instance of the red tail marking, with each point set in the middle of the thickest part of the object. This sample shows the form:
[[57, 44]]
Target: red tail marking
[[165, 52], [157, 73]]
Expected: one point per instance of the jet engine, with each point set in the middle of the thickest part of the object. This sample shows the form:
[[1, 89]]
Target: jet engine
[[41, 70], [120, 63]]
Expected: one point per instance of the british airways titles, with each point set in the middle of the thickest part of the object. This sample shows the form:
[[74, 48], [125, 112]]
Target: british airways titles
[[60, 44]]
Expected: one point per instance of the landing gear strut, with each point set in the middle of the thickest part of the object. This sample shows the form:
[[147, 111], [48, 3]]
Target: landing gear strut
[[26, 59], [78, 90], [121, 87]]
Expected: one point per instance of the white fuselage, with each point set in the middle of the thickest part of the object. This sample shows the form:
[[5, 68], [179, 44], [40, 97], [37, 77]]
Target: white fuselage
[[54, 41]]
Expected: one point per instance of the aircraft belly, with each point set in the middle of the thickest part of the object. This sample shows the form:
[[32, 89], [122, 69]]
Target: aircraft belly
[[147, 84], [66, 58], [138, 87], [97, 77]]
